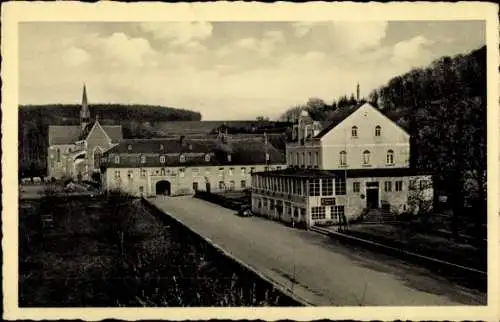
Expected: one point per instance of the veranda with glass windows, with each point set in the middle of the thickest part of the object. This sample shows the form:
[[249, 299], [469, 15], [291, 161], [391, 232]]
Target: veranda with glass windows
[[299, 197]]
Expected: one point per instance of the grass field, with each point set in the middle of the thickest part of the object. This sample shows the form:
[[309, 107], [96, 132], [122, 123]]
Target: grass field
[[114, 252]]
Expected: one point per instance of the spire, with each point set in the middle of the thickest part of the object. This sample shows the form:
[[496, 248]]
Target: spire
[[84, 112], [357, 92]]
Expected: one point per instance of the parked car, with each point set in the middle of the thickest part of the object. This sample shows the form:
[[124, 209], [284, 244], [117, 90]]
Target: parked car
[[245, 211]]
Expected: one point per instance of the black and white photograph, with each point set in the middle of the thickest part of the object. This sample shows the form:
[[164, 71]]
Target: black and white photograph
[[220, 161]]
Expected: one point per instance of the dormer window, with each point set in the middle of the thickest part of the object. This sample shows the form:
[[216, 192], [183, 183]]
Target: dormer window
[[207, 157], [129, 147], [378, 130], [143, 159], [162, 159], [117, 159], [182, 158], [354, 131]]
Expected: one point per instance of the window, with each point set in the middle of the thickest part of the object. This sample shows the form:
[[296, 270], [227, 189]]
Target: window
[[337, 212], [143, 159], [229, 158], [162, 147], [388, 186], [303, 158], [182, 158], [231, 171], [162, 159], [340, 186], [97, 158], [143, 173], [355, 186], [317, 159], [221, 185], [162, 171], [343, 158], [243, 184], [290, 157], [232, 185], [297, 159], [221, 172], [243, 171], [264, 201], [129, 147], [327, 187], [318, 213], [399, 185], [130, 174], [314, 187], [117, 174], [299, 188], [378, 129], [58, 155], [252, 169], [354, 131], [117, 159], [182, 172], [366, 157], [51, 163], [141, 189], [309, 158], [390, 157]]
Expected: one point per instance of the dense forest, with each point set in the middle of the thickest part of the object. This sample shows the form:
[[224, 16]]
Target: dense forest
[[443, 107], [34, 120]]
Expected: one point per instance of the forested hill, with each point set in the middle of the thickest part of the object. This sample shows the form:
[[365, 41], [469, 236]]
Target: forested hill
[[63, 114], [443, 107]]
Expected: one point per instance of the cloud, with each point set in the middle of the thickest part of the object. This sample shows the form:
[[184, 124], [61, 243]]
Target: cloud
[[303, 28], [345, 36], [75, 56], [412, 52], [178, 33], [264, 46]]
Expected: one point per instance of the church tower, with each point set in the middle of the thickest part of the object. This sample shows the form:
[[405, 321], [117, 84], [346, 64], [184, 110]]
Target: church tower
[[85, 112]]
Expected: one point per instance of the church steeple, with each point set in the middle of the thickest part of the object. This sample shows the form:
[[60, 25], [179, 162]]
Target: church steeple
[[357, 92], [85, 112]]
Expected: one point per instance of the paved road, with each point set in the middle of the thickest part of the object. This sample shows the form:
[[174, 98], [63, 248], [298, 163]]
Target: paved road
[[326, 273]]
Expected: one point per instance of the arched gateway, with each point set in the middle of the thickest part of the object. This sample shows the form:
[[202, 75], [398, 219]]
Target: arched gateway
[[163, 188]]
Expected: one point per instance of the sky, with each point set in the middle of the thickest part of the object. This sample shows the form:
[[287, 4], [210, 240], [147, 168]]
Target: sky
[[227, 70]]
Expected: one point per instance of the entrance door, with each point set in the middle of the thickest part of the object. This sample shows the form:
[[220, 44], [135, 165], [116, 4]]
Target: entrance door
[[372, 198], [163, 188], [195, 186]]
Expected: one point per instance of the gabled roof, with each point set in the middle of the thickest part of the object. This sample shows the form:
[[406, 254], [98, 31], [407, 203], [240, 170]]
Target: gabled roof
[[341, 114], [113, 131], [64, 134], [337, 117]]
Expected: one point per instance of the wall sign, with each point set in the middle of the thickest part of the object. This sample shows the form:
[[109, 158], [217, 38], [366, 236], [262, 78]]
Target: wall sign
[[328, 201]]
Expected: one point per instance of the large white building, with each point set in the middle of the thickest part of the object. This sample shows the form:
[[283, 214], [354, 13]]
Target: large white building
[[354, 166]]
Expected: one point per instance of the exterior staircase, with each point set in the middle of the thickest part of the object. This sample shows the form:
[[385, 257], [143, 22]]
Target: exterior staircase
[[378, 216]]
